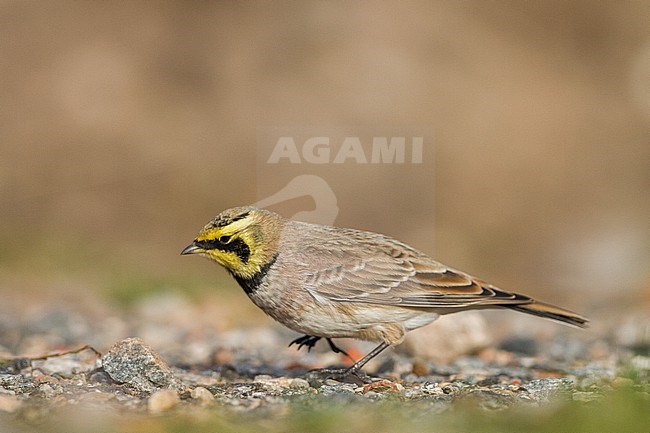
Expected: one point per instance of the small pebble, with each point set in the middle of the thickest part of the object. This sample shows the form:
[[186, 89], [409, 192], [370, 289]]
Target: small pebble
[[264, 378], [202, 394], [100, 376], [382, 386], [346, 388], [47, 390], [299, 383], [163, 400], [374, 395]]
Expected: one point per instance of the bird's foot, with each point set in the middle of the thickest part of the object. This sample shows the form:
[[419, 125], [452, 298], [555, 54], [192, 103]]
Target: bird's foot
[[306, 340], [310, 341], [347, 375]]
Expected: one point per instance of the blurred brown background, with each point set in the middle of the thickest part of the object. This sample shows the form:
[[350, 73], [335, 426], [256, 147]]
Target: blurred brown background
[[125, 126]]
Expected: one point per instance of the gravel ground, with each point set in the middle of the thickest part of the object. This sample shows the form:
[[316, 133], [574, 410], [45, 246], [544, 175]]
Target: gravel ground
[[252, 372]]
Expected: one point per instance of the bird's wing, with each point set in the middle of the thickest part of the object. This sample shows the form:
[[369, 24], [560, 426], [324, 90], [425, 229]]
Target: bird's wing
[[400, 276]]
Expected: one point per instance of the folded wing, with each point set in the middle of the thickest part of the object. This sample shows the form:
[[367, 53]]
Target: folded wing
[[404, 277]]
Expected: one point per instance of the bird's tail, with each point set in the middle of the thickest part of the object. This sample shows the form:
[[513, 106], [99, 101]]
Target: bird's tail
[[552, 312]]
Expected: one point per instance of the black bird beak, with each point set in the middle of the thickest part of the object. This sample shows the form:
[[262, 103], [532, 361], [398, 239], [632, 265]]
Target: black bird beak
[[192, 248]]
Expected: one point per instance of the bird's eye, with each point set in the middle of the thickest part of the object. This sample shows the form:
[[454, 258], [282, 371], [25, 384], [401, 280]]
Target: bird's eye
[[224, 239]]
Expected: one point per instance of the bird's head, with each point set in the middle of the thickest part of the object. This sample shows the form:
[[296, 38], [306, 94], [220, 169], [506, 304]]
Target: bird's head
[[242, 239]]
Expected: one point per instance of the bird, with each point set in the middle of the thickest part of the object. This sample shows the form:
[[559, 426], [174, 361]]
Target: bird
[[331, 282]]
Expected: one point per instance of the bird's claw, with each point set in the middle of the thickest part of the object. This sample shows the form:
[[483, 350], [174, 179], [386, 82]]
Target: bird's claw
[[308, 341], [337, 349], [346, 375]]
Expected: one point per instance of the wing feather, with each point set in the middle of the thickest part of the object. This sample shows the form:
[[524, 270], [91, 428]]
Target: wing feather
[[391, 273]]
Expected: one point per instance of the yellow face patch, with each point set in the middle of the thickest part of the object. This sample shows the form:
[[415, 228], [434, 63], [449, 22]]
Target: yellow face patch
[[233, 245], [210, 232]]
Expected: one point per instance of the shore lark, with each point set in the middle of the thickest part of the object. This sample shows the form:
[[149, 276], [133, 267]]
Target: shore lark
[[329, 282]]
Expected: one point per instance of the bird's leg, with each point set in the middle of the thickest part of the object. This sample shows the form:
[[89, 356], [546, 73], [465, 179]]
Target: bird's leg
[[337, 349], [352, 374], [305, 340], [363, 361]]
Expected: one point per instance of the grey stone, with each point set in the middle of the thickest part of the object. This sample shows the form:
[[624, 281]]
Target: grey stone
[[133, 363]]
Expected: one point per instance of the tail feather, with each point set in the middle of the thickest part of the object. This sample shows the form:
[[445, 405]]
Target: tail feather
[[552, 312]]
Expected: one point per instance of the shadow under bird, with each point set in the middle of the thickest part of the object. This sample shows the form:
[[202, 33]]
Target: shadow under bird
[[330, 282]]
